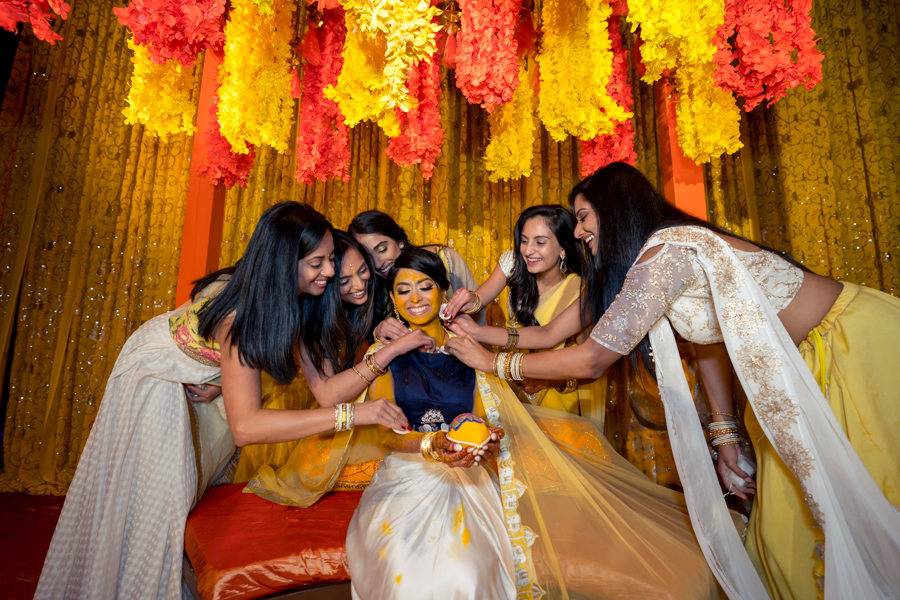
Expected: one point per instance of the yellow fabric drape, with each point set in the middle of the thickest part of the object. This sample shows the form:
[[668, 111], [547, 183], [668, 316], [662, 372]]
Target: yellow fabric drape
[[821, 171], [103, 255]]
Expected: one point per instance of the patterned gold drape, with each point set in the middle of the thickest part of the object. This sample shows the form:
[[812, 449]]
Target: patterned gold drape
[[91, 257], [820, 177]]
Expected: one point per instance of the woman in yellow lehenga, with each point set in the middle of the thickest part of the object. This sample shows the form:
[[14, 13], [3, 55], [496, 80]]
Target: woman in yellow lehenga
[[544, 278], [812, 356]]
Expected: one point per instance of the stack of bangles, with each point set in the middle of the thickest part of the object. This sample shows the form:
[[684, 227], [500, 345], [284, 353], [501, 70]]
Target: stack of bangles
[[478, 304], [426, 447], [343, 417], [373, 365], [723, 433], [508, 365]]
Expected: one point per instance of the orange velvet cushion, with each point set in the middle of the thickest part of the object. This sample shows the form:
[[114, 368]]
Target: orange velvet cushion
[[244, 547]]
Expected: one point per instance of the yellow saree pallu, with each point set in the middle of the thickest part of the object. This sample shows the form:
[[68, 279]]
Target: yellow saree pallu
[[588, 400], [851, 354]]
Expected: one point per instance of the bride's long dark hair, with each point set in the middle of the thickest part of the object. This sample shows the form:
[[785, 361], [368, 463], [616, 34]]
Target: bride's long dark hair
[[629, 211]]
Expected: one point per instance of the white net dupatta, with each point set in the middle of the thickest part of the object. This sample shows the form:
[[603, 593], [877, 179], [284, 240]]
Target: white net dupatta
[[862, 529]]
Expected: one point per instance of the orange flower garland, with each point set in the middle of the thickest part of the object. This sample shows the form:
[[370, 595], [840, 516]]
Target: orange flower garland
[[487, 71], [618, 145], [421, 135], [323, 143], [769, 33], [36, 12], [223, 165]]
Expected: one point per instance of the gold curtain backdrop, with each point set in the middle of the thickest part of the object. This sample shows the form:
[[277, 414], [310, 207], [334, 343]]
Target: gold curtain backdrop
[[820, 173], [91, 257], [102, 256]]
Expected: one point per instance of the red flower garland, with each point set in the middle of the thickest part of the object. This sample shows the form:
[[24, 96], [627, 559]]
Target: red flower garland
[[757, 68], [618, 145], [487, 70], [175, 29], [421, 135], [36, 12], [323, 141], [224, 166]]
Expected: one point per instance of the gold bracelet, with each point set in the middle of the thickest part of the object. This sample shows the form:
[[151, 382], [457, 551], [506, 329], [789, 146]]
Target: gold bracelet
[[477, 307], [571, 386], [425, 446], [507, 364], [512, 338], [373, 365], [499, 360], [723, 414], [355, 370], [351, 409], [337, 417]]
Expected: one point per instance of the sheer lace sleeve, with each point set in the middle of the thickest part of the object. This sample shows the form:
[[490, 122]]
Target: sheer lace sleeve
[[507, 263], [649, 289]]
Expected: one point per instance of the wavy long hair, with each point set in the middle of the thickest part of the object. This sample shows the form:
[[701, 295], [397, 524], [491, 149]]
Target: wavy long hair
[[523, 288], [269, 317], [629, 211], [342, 328]]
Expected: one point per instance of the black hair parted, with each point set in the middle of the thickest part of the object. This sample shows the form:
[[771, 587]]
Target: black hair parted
[[342, 328], [629, 211], [375, 221], [262, 295], [523, 288], [421, 261]]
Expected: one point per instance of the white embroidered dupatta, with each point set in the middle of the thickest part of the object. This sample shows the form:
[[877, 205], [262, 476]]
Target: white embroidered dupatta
[[862, 529]]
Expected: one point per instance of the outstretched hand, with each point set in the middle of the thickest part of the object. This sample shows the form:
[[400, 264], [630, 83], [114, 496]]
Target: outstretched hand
[[380, 412], [728, 459], [413, 340], [389, 330], [462, 299], [471, 353], [455, 455], [463, 325], [202, 392]]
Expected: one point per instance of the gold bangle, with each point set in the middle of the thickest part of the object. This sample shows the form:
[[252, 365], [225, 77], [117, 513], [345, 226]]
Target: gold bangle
[[571, 386], [425, 446], [512, 338], [477, 307], [355, 370], [351, 409], [373, 365], [507, 363], [723, 414], [337, 417]]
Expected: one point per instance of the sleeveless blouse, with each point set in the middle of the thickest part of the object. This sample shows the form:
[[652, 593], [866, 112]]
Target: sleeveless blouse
[[432, 389], [673, 284]]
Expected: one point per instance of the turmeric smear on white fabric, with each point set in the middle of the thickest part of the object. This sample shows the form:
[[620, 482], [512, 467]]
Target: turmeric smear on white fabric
[[382, 552], [399, 577], [458, 522], [386, 529]]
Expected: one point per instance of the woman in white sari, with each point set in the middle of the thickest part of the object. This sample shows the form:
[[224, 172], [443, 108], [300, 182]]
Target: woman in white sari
[[655, 269], [151, 452], [563, 516]]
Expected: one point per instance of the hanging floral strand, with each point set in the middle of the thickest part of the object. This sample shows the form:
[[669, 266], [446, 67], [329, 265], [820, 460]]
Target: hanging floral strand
[[679, 34], [255, 104], [224, 165], [175, 29], [618, 145], [510, 153], [421, 135], [160, 95], [323, 143], [769, 33], [36, 12], [575, 56], [487, 71]]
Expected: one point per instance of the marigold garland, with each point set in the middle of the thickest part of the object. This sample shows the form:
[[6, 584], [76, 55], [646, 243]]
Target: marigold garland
[[421, 135], [160, 95], [769, 33], [175, 29], [510, 153], [384, 40], [255, 104], [679, 34], [487, 71], [37, 12], [575, 56], [618, 145], [224, 166], [323, 142]]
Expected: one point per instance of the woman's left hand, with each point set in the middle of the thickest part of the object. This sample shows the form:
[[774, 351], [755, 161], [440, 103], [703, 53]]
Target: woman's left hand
[[471, 353], [533, 386], [202, 392]]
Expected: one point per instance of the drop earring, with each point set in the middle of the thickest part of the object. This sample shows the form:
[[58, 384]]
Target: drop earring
[[562, 263]]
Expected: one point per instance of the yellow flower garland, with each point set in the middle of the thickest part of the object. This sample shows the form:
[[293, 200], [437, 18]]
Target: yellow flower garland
[[160, 95], [511, 150], [255, 104], [576, 62], [384, 38], [678, 34]]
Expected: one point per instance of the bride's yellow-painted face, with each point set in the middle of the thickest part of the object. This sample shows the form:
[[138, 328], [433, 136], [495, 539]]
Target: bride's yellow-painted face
[[417, 296]]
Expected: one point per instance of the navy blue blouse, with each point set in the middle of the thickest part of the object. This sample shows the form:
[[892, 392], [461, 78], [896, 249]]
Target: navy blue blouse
[[432, 389]]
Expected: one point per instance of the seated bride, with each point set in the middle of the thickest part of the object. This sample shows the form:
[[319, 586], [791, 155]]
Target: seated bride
[[562, 516]]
